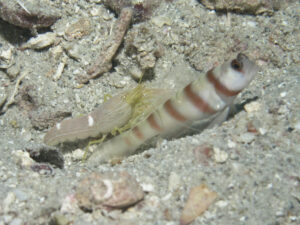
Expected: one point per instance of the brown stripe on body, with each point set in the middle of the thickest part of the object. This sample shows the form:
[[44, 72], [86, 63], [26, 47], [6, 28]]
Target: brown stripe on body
[[138, 133], [197, 101], [219, 86], [127, 141], [153, 123], [173, 112]]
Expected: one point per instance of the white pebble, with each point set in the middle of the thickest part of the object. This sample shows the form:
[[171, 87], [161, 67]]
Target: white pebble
[[77, 154], [220, 156], [251, 24], [147, 187], [221, 203], [252, 107], [7, 54], [231, 144], [262, 131], [160, 21], [22, 158], [95, 12], [282, 94], [174, 182]]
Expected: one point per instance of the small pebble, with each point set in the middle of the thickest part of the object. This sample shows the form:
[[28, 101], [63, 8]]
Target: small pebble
[[252, 107], [78, 154], [13, 71], [6, 54], [262, 131], [59, 219], [219, 155], [22, 158], [251, 24], [160, 21], [282, 94], [231, 144], [221, 203], [95, 11], [174, 182], [69, 204], [136, 73], [147, 187]]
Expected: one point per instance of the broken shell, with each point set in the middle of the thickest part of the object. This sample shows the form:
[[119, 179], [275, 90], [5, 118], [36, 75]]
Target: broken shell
[[200, 198], [111, 189], [41, 41]]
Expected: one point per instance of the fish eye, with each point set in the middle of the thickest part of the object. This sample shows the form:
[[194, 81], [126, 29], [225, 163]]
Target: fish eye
[[236, 65]]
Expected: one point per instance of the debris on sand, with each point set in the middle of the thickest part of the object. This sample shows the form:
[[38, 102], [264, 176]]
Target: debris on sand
[[243, 6], [200, 198], [110, 189], [28, 14], [104, 60]]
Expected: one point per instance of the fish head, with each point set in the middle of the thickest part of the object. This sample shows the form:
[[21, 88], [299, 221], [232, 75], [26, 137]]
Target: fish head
[[238, 73]]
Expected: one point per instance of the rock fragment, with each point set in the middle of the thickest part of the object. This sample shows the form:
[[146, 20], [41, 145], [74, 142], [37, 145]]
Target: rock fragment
[[40, 42], [200, 198], [243, 6], [110, 189], [219, 155], [78, 29], [22, 158], [28, 14], [253, 107], [6, 57], [174, 182]]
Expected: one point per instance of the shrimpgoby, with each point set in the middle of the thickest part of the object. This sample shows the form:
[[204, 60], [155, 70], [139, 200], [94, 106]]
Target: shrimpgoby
[[205, 101], [208, 98]]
